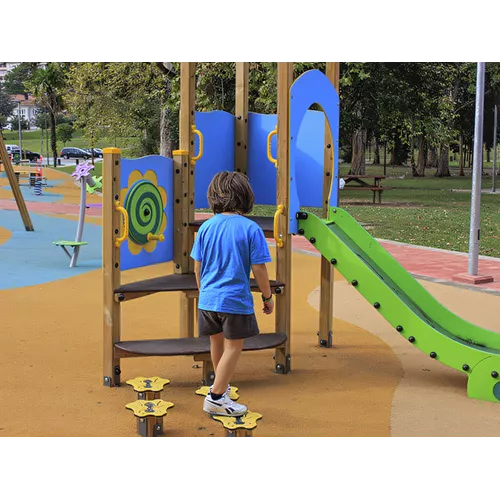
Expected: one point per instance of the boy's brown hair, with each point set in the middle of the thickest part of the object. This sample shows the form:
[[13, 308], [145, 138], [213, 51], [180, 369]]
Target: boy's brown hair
[[230, 192]]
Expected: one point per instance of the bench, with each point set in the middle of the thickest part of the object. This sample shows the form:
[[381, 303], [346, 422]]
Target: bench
[[362, 185]]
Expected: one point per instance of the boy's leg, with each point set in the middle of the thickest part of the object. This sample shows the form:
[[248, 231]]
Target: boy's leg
[[227, 364], [216, 348]]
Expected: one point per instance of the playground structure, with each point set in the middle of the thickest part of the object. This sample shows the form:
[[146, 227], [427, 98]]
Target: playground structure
[[157, 198], [87, 183]]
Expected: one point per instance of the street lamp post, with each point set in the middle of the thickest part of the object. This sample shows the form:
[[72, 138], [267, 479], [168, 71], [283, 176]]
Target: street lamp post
[[493, 189], [19, 127]]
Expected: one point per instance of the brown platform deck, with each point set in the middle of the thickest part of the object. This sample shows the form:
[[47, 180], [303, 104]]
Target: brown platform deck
[[190, 346], [266, 223], [176, 283]]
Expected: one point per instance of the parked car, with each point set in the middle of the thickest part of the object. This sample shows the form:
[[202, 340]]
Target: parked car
[[12, 148], [27, 155], [74, 153], [97, 152]]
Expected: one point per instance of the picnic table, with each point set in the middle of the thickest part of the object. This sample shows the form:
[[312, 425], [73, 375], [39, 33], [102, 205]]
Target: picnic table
[[361, 183]]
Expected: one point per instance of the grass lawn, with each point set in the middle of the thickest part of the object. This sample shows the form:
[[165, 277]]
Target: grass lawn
[[426, 211]]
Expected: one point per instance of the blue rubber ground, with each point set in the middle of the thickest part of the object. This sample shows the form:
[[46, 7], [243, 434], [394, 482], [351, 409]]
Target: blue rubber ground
[[47, 196], [29, 257]]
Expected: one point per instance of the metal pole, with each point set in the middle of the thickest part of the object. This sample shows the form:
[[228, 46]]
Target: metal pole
[[19, 127], [494, 151], [475, 214], [46, 136]]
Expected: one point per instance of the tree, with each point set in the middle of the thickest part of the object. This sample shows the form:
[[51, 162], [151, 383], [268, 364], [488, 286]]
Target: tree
[[65, 132], [14, 123], [6, 107], [47, 86], [16, 80]]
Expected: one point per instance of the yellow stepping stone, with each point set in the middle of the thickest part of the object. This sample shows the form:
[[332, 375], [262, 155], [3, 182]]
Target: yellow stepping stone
[[150, 414], [151, 384], [233, 393], [239, 426]]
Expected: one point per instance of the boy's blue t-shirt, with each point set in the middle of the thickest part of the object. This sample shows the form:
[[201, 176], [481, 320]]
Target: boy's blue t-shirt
[[227, 246]]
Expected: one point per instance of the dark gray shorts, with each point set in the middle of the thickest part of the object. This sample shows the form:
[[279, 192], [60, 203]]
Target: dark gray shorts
[[234, 326]]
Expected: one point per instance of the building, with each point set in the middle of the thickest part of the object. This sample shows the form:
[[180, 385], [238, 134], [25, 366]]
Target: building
[[26, 106], [5, 67]]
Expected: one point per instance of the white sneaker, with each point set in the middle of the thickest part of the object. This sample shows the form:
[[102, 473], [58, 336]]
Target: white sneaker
[[223, 406]]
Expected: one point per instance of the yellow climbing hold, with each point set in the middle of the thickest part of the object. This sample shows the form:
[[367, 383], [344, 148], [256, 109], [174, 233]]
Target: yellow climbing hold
[[233, 393], [247, 421], [151, 384], [152, 408]]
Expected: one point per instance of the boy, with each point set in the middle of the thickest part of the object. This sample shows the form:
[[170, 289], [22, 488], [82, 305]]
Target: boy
[[227, 246]]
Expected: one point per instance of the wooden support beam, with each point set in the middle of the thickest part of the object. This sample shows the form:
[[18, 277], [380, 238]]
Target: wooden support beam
[[327, 275], [111, 221], [241, 112], [16, 190], [284, 254], [186, 196]]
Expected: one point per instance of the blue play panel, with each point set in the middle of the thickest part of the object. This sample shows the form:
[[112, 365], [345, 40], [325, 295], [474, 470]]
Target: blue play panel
[[29, 257]]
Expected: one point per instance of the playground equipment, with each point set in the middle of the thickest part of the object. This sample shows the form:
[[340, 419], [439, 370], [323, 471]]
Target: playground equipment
[[149, 408], [82, 174], [16, 190], [239, 426], [151, 193]]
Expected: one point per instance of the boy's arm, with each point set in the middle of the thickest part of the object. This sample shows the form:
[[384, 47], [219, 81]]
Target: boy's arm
[[197, 267], [262, 278]]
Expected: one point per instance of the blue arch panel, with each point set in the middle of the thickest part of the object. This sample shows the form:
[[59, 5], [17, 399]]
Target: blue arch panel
[[261, 172], [217, 128], [310, 88], [164, 251]]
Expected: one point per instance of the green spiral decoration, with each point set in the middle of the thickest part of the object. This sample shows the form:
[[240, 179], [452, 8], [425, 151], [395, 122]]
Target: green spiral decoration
[[145, 210]]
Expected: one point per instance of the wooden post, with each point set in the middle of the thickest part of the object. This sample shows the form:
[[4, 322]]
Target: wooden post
[[241, 111], [14, 185], [186, 196], [327, 276], [284, 254], [111, 221]]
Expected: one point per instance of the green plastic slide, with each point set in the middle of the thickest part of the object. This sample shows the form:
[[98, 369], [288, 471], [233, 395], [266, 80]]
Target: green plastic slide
[[405, 303]]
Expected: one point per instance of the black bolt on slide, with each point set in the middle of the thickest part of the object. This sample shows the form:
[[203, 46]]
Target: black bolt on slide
[[494, 374], [301, 215], [465, 368], [312, 240], [411, 339], [433, 354], [333, 261], [301, 231], [121, 297], [399, 328], [376, 305], [354, 282]]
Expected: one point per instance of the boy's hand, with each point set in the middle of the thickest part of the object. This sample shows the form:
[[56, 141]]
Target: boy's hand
[[268, 307]]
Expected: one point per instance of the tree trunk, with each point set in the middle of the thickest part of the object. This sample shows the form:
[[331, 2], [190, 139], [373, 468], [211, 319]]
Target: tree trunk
[[420, 170], [53, 137], [432, 159], [376, 154], [165, 142], [461, 157], [443, 162], [358, 165], [412, 155]]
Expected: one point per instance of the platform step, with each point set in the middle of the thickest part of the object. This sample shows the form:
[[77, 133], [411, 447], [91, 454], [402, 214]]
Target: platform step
[[190, 346], [176, 283], [64, 243]]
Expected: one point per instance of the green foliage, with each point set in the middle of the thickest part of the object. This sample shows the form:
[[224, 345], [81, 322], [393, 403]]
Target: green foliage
[[17, 79], [6, 107], [14, 123], [65, 132]]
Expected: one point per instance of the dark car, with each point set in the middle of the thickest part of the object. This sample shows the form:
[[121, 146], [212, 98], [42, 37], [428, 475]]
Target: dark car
[[74, 153], [27, 155], [97, 152]]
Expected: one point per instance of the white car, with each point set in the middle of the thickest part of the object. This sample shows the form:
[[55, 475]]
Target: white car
[[11, 148]]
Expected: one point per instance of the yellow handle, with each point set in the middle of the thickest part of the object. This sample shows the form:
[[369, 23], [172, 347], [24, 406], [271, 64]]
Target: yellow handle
[[158, 237], [200, 137], [279, 241], [269, 139], [122, 238]]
